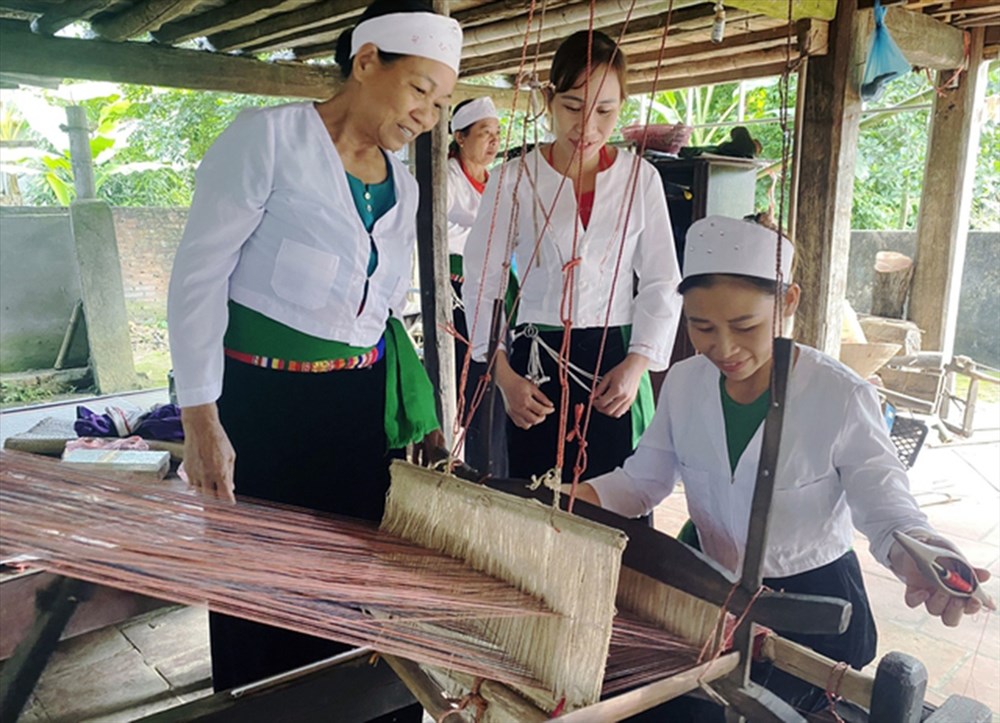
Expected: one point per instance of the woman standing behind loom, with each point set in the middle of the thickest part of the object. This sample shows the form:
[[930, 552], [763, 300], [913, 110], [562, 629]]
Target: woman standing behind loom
[[475, 139], [581, 212], [295, 381], [837, 468]]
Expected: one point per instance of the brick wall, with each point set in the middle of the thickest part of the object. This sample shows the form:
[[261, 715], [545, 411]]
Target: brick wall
[[147, 242]]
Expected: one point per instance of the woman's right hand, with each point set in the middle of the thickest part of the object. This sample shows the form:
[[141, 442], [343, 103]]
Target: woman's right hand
[[209, 457], [525, 403]]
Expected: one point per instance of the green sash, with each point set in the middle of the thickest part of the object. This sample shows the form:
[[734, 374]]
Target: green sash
[[410, 411]]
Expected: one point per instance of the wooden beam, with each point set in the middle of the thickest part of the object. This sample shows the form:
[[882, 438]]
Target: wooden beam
[[141, 18], [433, 261], [311, 16], [54, 20], [151, 64], [507, 59], [926, 42], [736, 44], [830, 118], [326, 34], [226, 17], [722, 65], [695, 81], [945, 202]]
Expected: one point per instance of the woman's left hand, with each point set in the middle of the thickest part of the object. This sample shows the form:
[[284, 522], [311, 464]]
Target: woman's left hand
[[618, 388], [923, 591]]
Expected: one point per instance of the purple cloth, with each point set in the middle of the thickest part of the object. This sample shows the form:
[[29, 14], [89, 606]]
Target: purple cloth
[[163, 423]]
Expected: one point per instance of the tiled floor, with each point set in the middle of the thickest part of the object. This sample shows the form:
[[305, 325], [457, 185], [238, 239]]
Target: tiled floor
[[161, 659]]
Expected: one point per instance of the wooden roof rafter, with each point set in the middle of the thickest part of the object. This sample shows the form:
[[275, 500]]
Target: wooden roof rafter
[[303, 31]]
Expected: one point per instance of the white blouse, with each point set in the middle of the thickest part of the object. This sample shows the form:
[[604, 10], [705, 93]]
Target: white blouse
[[463, 203], [836, 466], [273, 226], [624, 207]]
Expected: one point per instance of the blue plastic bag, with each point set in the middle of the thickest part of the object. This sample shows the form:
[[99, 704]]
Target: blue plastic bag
[[885, 60]]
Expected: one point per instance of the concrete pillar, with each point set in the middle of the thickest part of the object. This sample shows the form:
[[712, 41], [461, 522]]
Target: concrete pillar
[[103, 295]]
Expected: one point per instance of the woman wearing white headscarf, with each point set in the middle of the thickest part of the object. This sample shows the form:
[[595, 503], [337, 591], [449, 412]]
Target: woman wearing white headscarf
[[297, 251], [475, 129]]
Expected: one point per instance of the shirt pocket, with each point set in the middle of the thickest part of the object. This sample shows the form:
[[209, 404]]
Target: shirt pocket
[[303, 274]]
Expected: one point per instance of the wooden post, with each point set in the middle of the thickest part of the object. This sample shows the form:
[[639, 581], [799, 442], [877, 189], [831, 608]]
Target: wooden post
[[943, 220], [432, 255], [830, 117], [79, 153]]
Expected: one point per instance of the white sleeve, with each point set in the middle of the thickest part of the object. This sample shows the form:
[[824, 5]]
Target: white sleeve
[[657, 306], [876, 485], [647, 477], [485, 255], [233, 183]]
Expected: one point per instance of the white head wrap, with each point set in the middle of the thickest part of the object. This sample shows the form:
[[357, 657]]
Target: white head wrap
[[427, 35], [721, 245], [473, 112]]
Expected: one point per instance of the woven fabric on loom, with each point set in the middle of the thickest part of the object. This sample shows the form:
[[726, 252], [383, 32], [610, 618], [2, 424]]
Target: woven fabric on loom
[[310, 572], [319, 574]]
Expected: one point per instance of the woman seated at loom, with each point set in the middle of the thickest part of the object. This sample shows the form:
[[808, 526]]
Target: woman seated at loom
[[295, 380], [583, 219], [837, 463]]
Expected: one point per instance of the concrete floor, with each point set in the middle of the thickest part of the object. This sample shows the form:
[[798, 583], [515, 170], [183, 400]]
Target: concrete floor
[[159, 660]]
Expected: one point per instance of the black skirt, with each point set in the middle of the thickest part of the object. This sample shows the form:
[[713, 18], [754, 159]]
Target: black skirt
[[609, 441], [312, 440]]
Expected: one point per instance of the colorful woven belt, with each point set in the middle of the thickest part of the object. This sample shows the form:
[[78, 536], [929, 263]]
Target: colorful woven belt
[[367, 359], [458, 278]]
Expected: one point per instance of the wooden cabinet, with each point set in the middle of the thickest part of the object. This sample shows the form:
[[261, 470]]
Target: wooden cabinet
[[696, 188]]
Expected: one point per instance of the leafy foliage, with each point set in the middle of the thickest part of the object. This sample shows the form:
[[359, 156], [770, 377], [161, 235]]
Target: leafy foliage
[[148, 141]]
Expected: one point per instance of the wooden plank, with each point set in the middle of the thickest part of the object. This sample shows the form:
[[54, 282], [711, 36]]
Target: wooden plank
[[142, 17], [226, 17], [945, 202], [150, 64], [831, 115], [926, 42], [810, 666], [648, 696]]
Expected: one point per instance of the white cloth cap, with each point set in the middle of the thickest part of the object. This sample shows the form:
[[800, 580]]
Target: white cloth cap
[[722, 245], [427, 35], [473, 112]]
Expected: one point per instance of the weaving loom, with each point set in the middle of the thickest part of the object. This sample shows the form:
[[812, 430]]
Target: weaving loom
[[526, 653]]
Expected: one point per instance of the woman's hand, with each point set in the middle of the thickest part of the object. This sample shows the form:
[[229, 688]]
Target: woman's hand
[[431, 450], [209, 457], [525, 403], [618, 388], [921, 590]]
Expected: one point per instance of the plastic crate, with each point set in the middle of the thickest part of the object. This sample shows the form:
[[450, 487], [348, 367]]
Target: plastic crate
[[908, 436]]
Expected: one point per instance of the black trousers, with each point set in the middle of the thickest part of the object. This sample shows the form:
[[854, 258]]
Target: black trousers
[[312, 440], [485, 458], [856, 646], [609, 441]]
